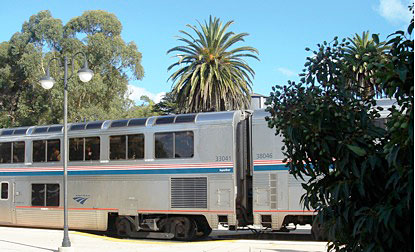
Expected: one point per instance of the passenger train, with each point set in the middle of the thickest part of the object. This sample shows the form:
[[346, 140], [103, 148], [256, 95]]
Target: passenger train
[[171, 177]]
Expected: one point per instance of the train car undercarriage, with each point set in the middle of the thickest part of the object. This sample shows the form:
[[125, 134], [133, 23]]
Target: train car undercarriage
[[178, 227]]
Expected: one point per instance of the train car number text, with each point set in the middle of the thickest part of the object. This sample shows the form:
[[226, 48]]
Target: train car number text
[[223, 159], [263, 155]]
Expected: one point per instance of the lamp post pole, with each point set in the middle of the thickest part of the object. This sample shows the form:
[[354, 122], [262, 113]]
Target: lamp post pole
[[66, 242], [47, 82]]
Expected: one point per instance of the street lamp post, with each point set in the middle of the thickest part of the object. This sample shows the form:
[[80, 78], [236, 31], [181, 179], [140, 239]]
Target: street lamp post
[[47, 82]]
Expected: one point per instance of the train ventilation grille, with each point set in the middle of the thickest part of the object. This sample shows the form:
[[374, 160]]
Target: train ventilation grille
[[189, 192]]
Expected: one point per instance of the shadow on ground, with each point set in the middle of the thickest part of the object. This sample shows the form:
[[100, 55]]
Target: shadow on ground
[[30, 246]]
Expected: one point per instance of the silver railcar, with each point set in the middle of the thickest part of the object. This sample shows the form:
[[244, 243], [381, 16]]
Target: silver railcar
[[176, 176]]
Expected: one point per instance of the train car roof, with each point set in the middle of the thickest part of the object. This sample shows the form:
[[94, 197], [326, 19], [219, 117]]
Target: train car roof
[[196, 118], [260, 114], [385, 103]]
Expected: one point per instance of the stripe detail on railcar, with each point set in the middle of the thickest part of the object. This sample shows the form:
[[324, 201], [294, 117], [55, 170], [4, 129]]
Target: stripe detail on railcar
[[270, 165], [224, 167]]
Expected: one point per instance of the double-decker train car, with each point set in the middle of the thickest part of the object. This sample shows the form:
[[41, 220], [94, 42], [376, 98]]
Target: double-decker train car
[[176, 176], [276, 193]]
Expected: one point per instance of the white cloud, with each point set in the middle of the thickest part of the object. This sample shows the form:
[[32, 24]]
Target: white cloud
[[137, 92], [285, 71], [395, 11]]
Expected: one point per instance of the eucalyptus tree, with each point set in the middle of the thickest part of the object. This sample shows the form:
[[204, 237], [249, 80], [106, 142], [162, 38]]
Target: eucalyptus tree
[[212, 73], [23, 59]]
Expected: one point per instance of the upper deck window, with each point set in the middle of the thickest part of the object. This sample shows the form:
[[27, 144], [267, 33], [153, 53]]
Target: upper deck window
[[5, 153], [185, 118], [12, 152], [55, 129], [165, 120], [46, 150], [174, 144], [77, 126], [7, 132], [119, 123], [137, 122], [127, 147], [84, 149], [20, 131], [94, 125], [40, 130]]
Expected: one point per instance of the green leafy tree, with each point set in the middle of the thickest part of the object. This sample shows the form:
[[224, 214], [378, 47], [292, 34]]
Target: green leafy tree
[[167, 105], [146, 109], [358, 176], [23, 62], [212, 74]]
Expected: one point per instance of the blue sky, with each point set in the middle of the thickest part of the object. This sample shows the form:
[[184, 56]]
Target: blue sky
[[280, 30]]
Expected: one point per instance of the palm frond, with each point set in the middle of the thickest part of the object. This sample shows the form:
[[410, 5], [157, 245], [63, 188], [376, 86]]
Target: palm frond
[[213, 77]]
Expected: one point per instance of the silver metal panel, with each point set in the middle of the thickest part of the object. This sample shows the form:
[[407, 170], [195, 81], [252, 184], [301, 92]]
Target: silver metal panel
[[49, 217], [188, 192], [261, 191]]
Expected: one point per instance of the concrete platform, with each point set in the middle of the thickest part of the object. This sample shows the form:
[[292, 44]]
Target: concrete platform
[[31, 239]]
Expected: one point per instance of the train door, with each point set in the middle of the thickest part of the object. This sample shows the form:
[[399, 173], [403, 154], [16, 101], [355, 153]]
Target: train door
[[244, 171], [6, 201]]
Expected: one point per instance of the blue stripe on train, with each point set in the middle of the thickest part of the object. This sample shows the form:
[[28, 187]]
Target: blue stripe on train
[[120, 172], [257, 168], [280, 167]]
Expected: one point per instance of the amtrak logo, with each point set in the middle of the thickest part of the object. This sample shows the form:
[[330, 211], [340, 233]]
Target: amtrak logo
[[81, 198]]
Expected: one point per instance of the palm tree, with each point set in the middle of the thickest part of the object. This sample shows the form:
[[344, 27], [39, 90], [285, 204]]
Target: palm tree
[[212, 74], [361, 53]]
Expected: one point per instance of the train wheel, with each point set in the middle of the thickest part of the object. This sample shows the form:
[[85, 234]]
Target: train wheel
[[183, 228], [123, 226], [203, 228]]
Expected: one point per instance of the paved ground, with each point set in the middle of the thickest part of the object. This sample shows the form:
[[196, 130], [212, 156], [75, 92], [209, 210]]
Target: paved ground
[[30, 239]]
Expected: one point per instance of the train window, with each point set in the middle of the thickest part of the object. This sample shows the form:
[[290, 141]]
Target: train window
[[119, 123], [5, 152], [54, 150], [40, 130], [77, 126], [12, 152], [92, 148], [135, 146], [174, 144], [82, 149], [20, 132], [117, 147], [46, 150], [55, 129], [38, 195], [183, 144], [76, 149], [39, 151], [185, 118], [137, 122], [18, 152], [94, 125], [164, 145], [165, 119], [52, 195], [7, 132], [45, 194], [4, 191]]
